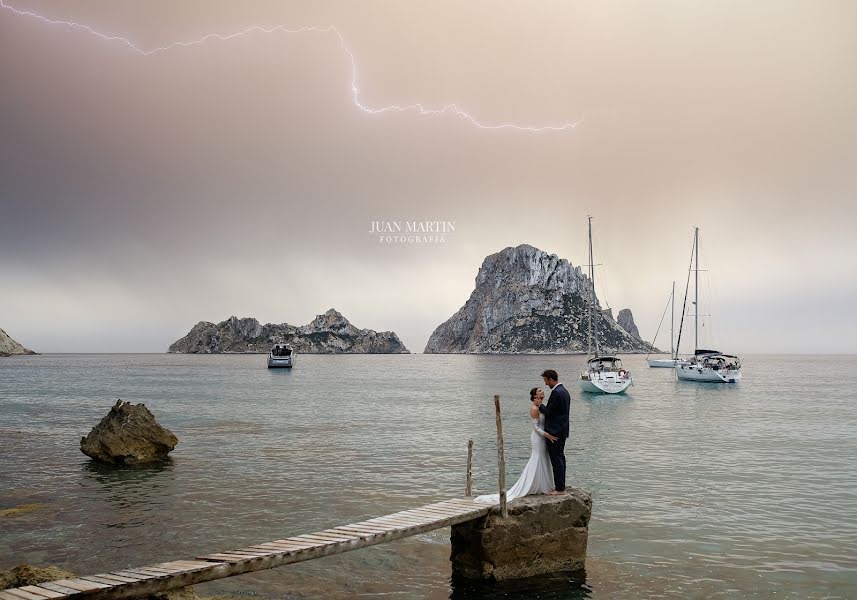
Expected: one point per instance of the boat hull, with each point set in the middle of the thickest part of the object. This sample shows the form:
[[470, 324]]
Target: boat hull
[[692, 372], [280, 363], [662, 363], [605, 385]]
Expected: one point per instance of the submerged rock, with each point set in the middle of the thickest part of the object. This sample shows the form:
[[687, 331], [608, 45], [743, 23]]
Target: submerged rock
[[330, 333], [185, 593], [9, 347], [542, 534], [528, 301], [25, 574], [128, 435], [21, 509]]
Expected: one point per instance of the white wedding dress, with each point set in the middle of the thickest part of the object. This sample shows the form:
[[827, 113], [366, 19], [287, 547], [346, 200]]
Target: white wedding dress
[[537, 477]]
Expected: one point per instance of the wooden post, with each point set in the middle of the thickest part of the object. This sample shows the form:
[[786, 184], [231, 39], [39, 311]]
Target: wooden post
[[468, 491], [501, 458]]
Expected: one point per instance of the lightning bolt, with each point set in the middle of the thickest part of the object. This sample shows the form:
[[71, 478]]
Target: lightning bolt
[[418, 108]]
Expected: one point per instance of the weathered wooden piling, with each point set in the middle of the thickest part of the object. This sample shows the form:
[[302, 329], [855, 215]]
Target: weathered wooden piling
[[468, 490], [501, 458]]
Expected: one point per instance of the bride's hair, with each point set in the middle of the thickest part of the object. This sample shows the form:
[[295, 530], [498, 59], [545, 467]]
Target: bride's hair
[[533, 393]]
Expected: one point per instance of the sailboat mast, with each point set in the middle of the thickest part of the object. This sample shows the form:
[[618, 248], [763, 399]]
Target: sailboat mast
[[672, 326], [684, 302], [591, 293], [696, 292]]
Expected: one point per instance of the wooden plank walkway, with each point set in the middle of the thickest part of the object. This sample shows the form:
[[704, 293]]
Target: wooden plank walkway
[[128, 583]]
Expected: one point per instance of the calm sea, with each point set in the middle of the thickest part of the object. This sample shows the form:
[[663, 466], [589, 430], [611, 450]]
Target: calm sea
[[699, 491]]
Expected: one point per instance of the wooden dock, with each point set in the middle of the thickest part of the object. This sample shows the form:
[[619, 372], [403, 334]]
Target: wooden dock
[[128, 583]]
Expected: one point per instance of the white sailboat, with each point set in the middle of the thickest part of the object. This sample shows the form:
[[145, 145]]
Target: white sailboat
[[705, 365], [665, 363], [603, 374]]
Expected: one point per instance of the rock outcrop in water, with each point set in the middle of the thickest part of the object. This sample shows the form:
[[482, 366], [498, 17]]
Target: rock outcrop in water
[[543, 534], [330, 333], [9, 347], [528, 301], [128, 435], [626, 321]]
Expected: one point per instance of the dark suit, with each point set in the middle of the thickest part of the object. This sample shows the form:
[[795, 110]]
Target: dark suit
[[556, 423]]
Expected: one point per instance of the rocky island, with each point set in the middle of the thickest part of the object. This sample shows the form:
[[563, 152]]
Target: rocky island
[[529, 301], [330, 333], [9, 347]]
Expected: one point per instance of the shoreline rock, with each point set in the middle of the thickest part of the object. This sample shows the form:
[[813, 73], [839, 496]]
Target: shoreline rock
[[128, 435], [328, 333], [26, 574]]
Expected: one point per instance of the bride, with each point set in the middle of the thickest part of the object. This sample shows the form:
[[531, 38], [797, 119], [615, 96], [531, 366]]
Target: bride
[[537, 477]]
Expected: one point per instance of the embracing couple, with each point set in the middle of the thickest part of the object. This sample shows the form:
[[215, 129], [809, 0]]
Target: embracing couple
[[545, 471]]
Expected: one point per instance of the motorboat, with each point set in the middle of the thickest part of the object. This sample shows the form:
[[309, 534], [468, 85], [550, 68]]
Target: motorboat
[[281, 357]]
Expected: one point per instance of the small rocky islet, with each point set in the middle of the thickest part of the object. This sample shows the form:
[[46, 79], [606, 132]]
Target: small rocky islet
[[128, 435], [9, 347], [328, 333]]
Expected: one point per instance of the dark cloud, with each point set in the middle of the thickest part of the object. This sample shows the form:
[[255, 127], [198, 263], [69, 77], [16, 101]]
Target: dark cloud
[[141, 194]]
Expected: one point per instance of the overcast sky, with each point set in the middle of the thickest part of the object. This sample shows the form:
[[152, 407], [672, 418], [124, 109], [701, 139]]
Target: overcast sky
[[140, 194]]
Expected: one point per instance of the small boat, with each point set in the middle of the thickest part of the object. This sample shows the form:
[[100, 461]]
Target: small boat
[[281, 357], [665, 363], [705, 365], [603, 374]]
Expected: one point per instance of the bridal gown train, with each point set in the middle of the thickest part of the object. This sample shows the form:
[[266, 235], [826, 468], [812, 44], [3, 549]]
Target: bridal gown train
[[537, 477]]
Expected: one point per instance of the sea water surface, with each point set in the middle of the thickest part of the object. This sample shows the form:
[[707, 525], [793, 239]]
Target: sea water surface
[[699, 490]]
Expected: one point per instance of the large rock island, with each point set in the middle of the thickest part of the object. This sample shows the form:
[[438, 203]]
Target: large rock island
[[529, 301], [330, 333], [9, 347]]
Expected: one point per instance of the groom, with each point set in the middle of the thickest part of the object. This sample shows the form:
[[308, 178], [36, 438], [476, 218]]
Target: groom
[[556, 423]]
